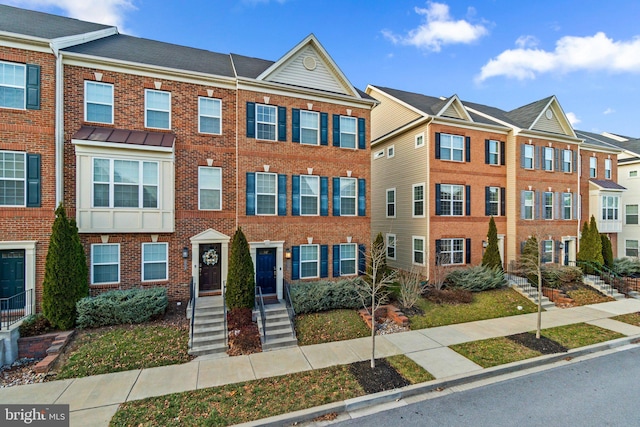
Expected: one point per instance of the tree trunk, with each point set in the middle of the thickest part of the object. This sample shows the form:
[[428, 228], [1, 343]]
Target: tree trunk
[[373, 330], [539, 320]]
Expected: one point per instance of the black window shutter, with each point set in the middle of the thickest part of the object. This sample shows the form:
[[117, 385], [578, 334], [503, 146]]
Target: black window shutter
[[282, 195], [336, 260], [468, 200], [437, 144], [295, 262], [33, 87], [556, 251], [487, 201], [467, 148], [295, 195], [524, 242], [282, 123], [33, 181], [362, 259], [503, 201], [251, 193], [324, 129], [438, 250], [324, 196], [362, 132], [295, 125], [502, 152], [438, 202], [251, 119], [324, 260], [362, 197], [486, 151], [336, 196], [467, 247], [522, 164], [575, 161], [556, 161], [336, 130]]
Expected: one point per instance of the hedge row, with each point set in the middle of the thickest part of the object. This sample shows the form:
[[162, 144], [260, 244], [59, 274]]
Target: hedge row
[[120, 307], [311, 297]]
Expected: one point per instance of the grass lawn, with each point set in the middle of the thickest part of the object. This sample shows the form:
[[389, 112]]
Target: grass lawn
[[486, 305], [585, 296], [251, 400], [631, 318], [328, 326], [123, 348], [498, 351]]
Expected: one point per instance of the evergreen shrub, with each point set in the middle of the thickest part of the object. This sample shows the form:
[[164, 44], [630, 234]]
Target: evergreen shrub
[[311, 297], [475, 279]]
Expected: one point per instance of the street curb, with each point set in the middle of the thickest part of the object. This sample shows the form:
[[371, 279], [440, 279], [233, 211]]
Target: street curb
[[434, 385]]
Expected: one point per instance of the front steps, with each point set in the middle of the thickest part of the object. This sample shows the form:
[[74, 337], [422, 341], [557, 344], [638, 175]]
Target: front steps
[[279, 331], [529, 292], [601, 286], [209, 331]]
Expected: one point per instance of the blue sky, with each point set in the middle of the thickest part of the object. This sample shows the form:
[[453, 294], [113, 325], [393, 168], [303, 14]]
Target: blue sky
[[496, 52]]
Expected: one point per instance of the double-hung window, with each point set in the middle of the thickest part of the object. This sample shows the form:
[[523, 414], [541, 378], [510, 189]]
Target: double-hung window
[[548, 158], [157, 106], [12, 85], [98, 102], [348, 258], [309, 125], [451, 147], [567, 205], [13, 182], [419, 140], [631, 248], [348, 196], [105, 263], [391, 246], [154, 261], [266, 122], [547, 251], [125, 184], [418, 250], [451, 251], [593, 167], [607, 168], [610, 208], [528, 204], [528, 156], [494, 201], [309, 261], [348, 130], [418, 200], [547, 203], [266, 193], [566, 160], [309, 195], [391, 203], [209, 188], [209, 115], [451, 200], [494, 152], [631, 214]]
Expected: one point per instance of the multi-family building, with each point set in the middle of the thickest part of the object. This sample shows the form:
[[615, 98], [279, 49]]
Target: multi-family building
[[464, 162]]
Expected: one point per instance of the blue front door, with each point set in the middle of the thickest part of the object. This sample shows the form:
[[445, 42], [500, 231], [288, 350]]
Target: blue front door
[[266, 270], [11, 273]]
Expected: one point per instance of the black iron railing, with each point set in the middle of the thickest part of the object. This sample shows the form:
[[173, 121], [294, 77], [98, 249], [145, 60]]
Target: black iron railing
[[612, 279], [15, 308], [290, 310], [519, 277], [224, 311], [260, 307], [192, 301]]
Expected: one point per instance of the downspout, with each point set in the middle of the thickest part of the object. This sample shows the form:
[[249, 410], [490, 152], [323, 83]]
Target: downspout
[[59, 126]]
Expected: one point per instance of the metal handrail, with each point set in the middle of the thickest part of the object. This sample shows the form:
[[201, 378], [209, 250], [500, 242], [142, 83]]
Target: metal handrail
[[609, 276], [224, 309], [290, 310], [15, 308], [520, 279], [192, 301], [260, 305]]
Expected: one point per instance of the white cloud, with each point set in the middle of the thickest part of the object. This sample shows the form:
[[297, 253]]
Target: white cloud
[[608, 111], [108, 12], [593, 53], [526, 42], [573, 119], [438, 29]]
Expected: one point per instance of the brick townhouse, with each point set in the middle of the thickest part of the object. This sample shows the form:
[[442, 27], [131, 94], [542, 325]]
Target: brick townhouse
[[464, 162], [161, 151]]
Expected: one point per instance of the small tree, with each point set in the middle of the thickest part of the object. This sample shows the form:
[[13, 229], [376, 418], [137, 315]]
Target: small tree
[[491, 256], [532, 266], [376, 288], [590, 243], [65, 273], [607, 251], [411, 287], [382, 267], [240, 289]]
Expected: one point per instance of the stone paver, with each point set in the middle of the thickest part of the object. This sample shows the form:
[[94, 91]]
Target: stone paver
[[443, 362]]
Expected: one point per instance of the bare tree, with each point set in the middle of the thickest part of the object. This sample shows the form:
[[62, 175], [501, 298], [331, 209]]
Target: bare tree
[[439, 271], [411, 287], [375, 288]]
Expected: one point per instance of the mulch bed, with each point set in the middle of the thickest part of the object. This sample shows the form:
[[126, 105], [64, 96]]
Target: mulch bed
[[543, 345], [382, 377]]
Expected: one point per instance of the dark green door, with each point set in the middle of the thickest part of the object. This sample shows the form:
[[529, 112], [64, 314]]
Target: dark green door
[[11, 273]]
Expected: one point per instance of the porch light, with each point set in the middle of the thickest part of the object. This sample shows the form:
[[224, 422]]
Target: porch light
[[287, 253], [485, 243], [185, 255], [560, 245]]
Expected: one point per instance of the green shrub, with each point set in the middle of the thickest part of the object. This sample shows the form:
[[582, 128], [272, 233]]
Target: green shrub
[[476, 279], [627, 266], [119, 307], [240, 290], [35, 324], [491, 257], [560, 276], [607, 251], [311, 297]]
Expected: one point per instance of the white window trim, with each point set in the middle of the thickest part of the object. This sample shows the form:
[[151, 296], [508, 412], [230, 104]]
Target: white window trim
[[317, 261], [316, 129], [275, 194], [594, 168], [417, 138], [413, 250], [378, 154], [543, 252], [496, 153], [355, 259], [608, 172], [570, 198], [452, 251], [274, 124], [395, 248], [533, 156], [200, 187], [570, 162], [605, 208], [24, 87], [355, 133], [201, 115], [146, 108], [633, 174], [551, 159], [637, 214], [395, 204], [413, 200], [24, 179], [626, 247], [452, 201], [354, 197], [533, 205], [496, 203], [391, 152], [94, 264], [86, 102], [452, 149], [317, 213], [545, 205], [112, 184], [142, 261]]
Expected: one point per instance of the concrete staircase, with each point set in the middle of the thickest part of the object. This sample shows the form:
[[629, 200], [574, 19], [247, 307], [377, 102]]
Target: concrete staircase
[[278, 327], [522, 286], [209, 332], [601, 286]]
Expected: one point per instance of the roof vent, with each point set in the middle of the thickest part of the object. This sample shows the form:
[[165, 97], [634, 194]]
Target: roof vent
[[309, 63]]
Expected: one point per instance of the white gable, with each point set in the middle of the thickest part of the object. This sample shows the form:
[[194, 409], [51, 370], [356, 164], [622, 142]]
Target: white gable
[[308, 65], [552, 119], [210, 235], [454, 109]]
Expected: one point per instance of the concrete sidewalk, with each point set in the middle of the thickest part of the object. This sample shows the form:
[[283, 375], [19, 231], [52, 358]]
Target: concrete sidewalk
[[94, 400]]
